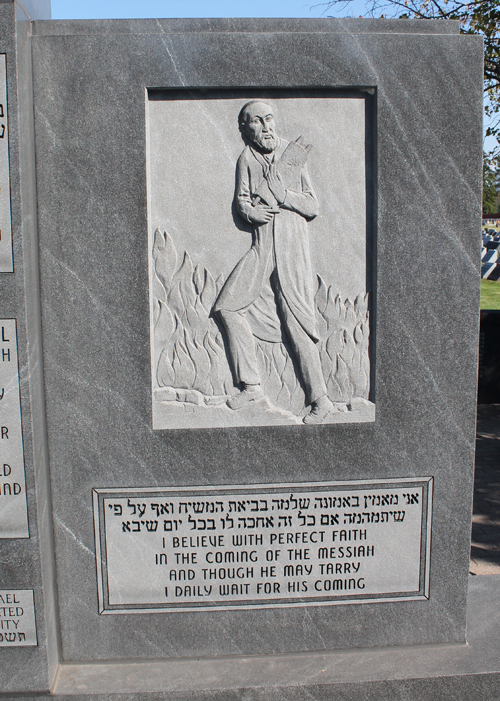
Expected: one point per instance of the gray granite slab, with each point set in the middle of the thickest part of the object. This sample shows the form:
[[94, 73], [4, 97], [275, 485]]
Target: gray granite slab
[[34, 9], [26, 563], [345, 25], [92, 213]]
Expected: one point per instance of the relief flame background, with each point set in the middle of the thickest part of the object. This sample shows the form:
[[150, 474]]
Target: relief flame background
[[189, 356]]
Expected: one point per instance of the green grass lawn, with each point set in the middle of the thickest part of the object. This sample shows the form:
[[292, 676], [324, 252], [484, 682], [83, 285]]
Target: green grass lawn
[[490, 294], [490, 289]]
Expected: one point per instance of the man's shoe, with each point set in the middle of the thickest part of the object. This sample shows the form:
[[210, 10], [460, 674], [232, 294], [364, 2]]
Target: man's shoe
[[245, 397], [320, 410]]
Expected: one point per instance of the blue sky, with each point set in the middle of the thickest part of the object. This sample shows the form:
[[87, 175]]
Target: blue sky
[[120, 9]]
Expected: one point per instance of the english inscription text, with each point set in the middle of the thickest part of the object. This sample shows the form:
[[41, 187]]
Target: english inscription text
[[255, 546]]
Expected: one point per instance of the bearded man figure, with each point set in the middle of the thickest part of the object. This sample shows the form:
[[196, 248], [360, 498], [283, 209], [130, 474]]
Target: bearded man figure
[[270, 292]]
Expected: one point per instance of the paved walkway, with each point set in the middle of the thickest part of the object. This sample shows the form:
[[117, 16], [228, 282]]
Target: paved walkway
[[485, 546]]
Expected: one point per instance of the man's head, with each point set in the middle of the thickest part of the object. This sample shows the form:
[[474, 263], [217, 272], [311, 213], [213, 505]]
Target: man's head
[[256, 121]]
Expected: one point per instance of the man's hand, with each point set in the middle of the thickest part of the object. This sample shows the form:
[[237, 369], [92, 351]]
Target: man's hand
[[262, 214], [276, 184]]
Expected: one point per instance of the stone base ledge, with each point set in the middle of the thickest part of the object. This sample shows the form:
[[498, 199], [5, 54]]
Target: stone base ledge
[[437, 672]]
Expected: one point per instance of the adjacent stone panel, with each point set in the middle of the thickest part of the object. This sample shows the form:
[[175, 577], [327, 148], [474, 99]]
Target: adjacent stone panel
[[6, 260], [17, 618], [13, 506], [273, 545]]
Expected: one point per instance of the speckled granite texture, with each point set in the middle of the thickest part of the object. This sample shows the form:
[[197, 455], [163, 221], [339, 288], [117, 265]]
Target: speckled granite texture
[[33, 9], [415, 673], [90, 82], [26, 563]]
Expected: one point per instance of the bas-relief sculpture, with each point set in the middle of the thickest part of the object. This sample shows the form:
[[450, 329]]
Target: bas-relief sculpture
[[273, 343], [270, 291]]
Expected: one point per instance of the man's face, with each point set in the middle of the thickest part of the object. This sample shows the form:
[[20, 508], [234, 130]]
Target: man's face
[[260, 126]]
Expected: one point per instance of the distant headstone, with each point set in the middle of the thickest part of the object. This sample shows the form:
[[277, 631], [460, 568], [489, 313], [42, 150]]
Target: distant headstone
[[494, 273], [490, 256], [492, 245], [487, 269]]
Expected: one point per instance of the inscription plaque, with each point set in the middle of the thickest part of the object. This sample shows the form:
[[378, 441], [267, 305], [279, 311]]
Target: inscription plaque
[[6, 260], [17, 618], [267, 545], [13, 506]]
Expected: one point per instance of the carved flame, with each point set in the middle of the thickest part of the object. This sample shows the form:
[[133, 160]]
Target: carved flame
[[189, 348]]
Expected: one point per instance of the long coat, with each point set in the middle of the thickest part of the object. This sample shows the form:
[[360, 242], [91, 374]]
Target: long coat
[[281, 245]]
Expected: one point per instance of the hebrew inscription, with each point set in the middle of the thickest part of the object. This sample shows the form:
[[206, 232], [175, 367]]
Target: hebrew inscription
[[17, 618], [6, 261], [13, 506], [264, 338], [275, 545]]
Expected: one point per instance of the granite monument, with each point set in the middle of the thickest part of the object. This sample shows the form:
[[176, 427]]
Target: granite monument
[[237, 431]]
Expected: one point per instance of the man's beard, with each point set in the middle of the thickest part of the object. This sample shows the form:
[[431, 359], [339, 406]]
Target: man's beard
[[267, 143]]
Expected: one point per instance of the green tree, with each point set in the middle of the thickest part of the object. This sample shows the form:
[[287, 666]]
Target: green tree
[[476, 17], [491, 173]]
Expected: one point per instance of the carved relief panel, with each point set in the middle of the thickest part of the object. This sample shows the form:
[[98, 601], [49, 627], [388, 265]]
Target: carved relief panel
[[260, 221]]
